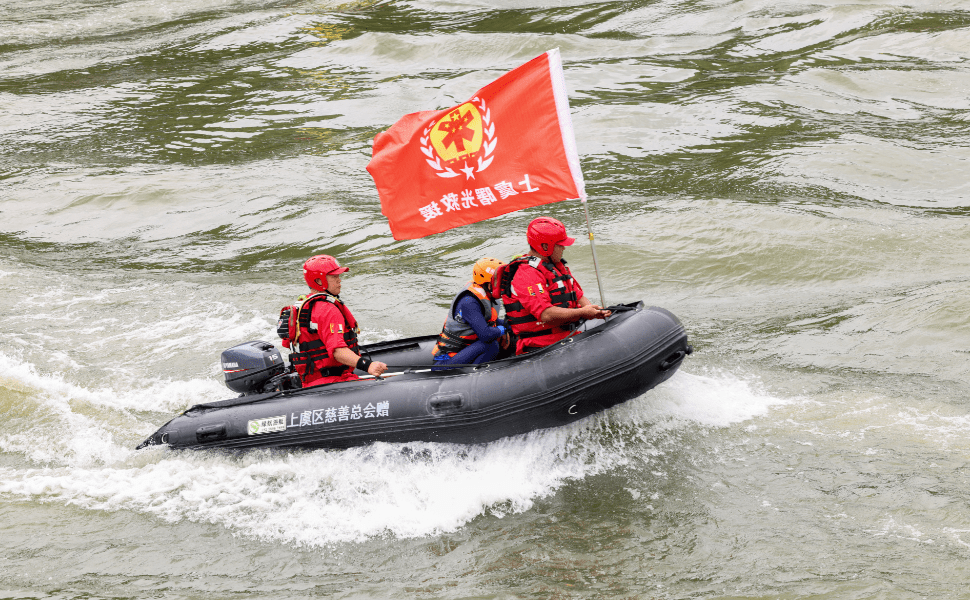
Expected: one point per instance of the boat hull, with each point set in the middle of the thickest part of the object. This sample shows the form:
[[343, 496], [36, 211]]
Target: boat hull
[[605, 365]]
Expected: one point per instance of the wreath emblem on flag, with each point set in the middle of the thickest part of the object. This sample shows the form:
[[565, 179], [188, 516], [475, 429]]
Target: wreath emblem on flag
[[465, 135]]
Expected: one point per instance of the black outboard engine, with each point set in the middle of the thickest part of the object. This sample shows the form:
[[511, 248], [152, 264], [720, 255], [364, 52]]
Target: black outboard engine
[[255, 367]]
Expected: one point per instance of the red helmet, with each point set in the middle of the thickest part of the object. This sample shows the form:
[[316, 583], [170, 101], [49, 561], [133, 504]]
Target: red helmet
[[316, 269], [548, 232], [484, 269]]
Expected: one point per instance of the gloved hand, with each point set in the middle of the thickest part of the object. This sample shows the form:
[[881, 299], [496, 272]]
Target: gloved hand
[[501, 330]]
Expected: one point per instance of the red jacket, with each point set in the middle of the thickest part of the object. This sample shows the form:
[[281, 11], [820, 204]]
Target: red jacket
[[325, 324], [530, 285]]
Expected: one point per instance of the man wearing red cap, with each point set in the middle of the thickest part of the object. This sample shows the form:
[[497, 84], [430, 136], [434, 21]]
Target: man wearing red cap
[[543, 302], [324, 335]]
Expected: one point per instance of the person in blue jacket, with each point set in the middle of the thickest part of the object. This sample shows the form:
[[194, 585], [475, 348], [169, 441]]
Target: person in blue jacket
[[473, 333]]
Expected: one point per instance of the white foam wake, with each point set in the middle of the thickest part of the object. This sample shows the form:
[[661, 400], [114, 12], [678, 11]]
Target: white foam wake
[[324, 497]]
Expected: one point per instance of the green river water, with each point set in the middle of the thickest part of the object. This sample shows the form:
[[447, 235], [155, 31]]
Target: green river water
[[792, 180]]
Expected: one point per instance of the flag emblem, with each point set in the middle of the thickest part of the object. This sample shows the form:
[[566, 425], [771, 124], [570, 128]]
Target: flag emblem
[[462, 139]]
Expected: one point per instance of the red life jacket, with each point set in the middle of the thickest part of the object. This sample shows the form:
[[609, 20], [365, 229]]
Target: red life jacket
[[456, 333], [310, 357], [561, 288]]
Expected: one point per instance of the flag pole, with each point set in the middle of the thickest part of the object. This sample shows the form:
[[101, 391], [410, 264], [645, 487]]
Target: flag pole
[[592, 246]]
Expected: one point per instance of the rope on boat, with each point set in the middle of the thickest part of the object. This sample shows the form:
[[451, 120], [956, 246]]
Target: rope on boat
[[450, 366]]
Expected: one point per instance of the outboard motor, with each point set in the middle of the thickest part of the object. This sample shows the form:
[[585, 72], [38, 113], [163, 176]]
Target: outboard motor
[[255, 367]]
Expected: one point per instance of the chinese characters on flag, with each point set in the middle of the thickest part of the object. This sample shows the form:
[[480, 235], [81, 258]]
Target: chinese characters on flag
[[509, 147]]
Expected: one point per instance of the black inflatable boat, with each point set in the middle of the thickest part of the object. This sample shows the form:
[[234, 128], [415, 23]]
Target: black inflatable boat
[[609, 362]]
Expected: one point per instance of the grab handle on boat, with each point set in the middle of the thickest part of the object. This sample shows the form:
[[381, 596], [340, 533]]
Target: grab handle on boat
[[211, 433], [444, 404], [675, 358], [620, 308]]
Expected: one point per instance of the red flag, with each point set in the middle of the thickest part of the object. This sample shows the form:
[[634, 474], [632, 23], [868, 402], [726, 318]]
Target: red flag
[[509, 147]]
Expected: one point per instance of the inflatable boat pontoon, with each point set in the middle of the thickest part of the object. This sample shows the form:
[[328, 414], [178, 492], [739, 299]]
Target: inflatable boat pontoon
[[609, 362]]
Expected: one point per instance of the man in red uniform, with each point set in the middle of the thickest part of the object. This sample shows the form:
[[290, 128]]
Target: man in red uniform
[[543, 302], [324, 343]]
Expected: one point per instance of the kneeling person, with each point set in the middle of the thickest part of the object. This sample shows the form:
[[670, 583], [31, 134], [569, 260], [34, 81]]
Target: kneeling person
[[472, 333], [324, 332]]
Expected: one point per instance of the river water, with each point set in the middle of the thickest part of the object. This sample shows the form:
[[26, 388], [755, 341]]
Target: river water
[[790, 179]]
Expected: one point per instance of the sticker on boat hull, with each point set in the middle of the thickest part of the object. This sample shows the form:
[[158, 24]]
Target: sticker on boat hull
[[268, 425], [336, 414]]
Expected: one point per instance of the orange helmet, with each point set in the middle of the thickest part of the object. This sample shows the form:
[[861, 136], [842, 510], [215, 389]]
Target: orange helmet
[[484, 269], [548, 232], [316, 269]]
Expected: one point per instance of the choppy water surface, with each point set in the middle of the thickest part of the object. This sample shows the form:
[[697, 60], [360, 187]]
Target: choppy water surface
[[789, 179]]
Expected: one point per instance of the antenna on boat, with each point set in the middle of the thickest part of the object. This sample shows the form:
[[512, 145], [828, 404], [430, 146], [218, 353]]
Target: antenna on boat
[[592, 246]]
